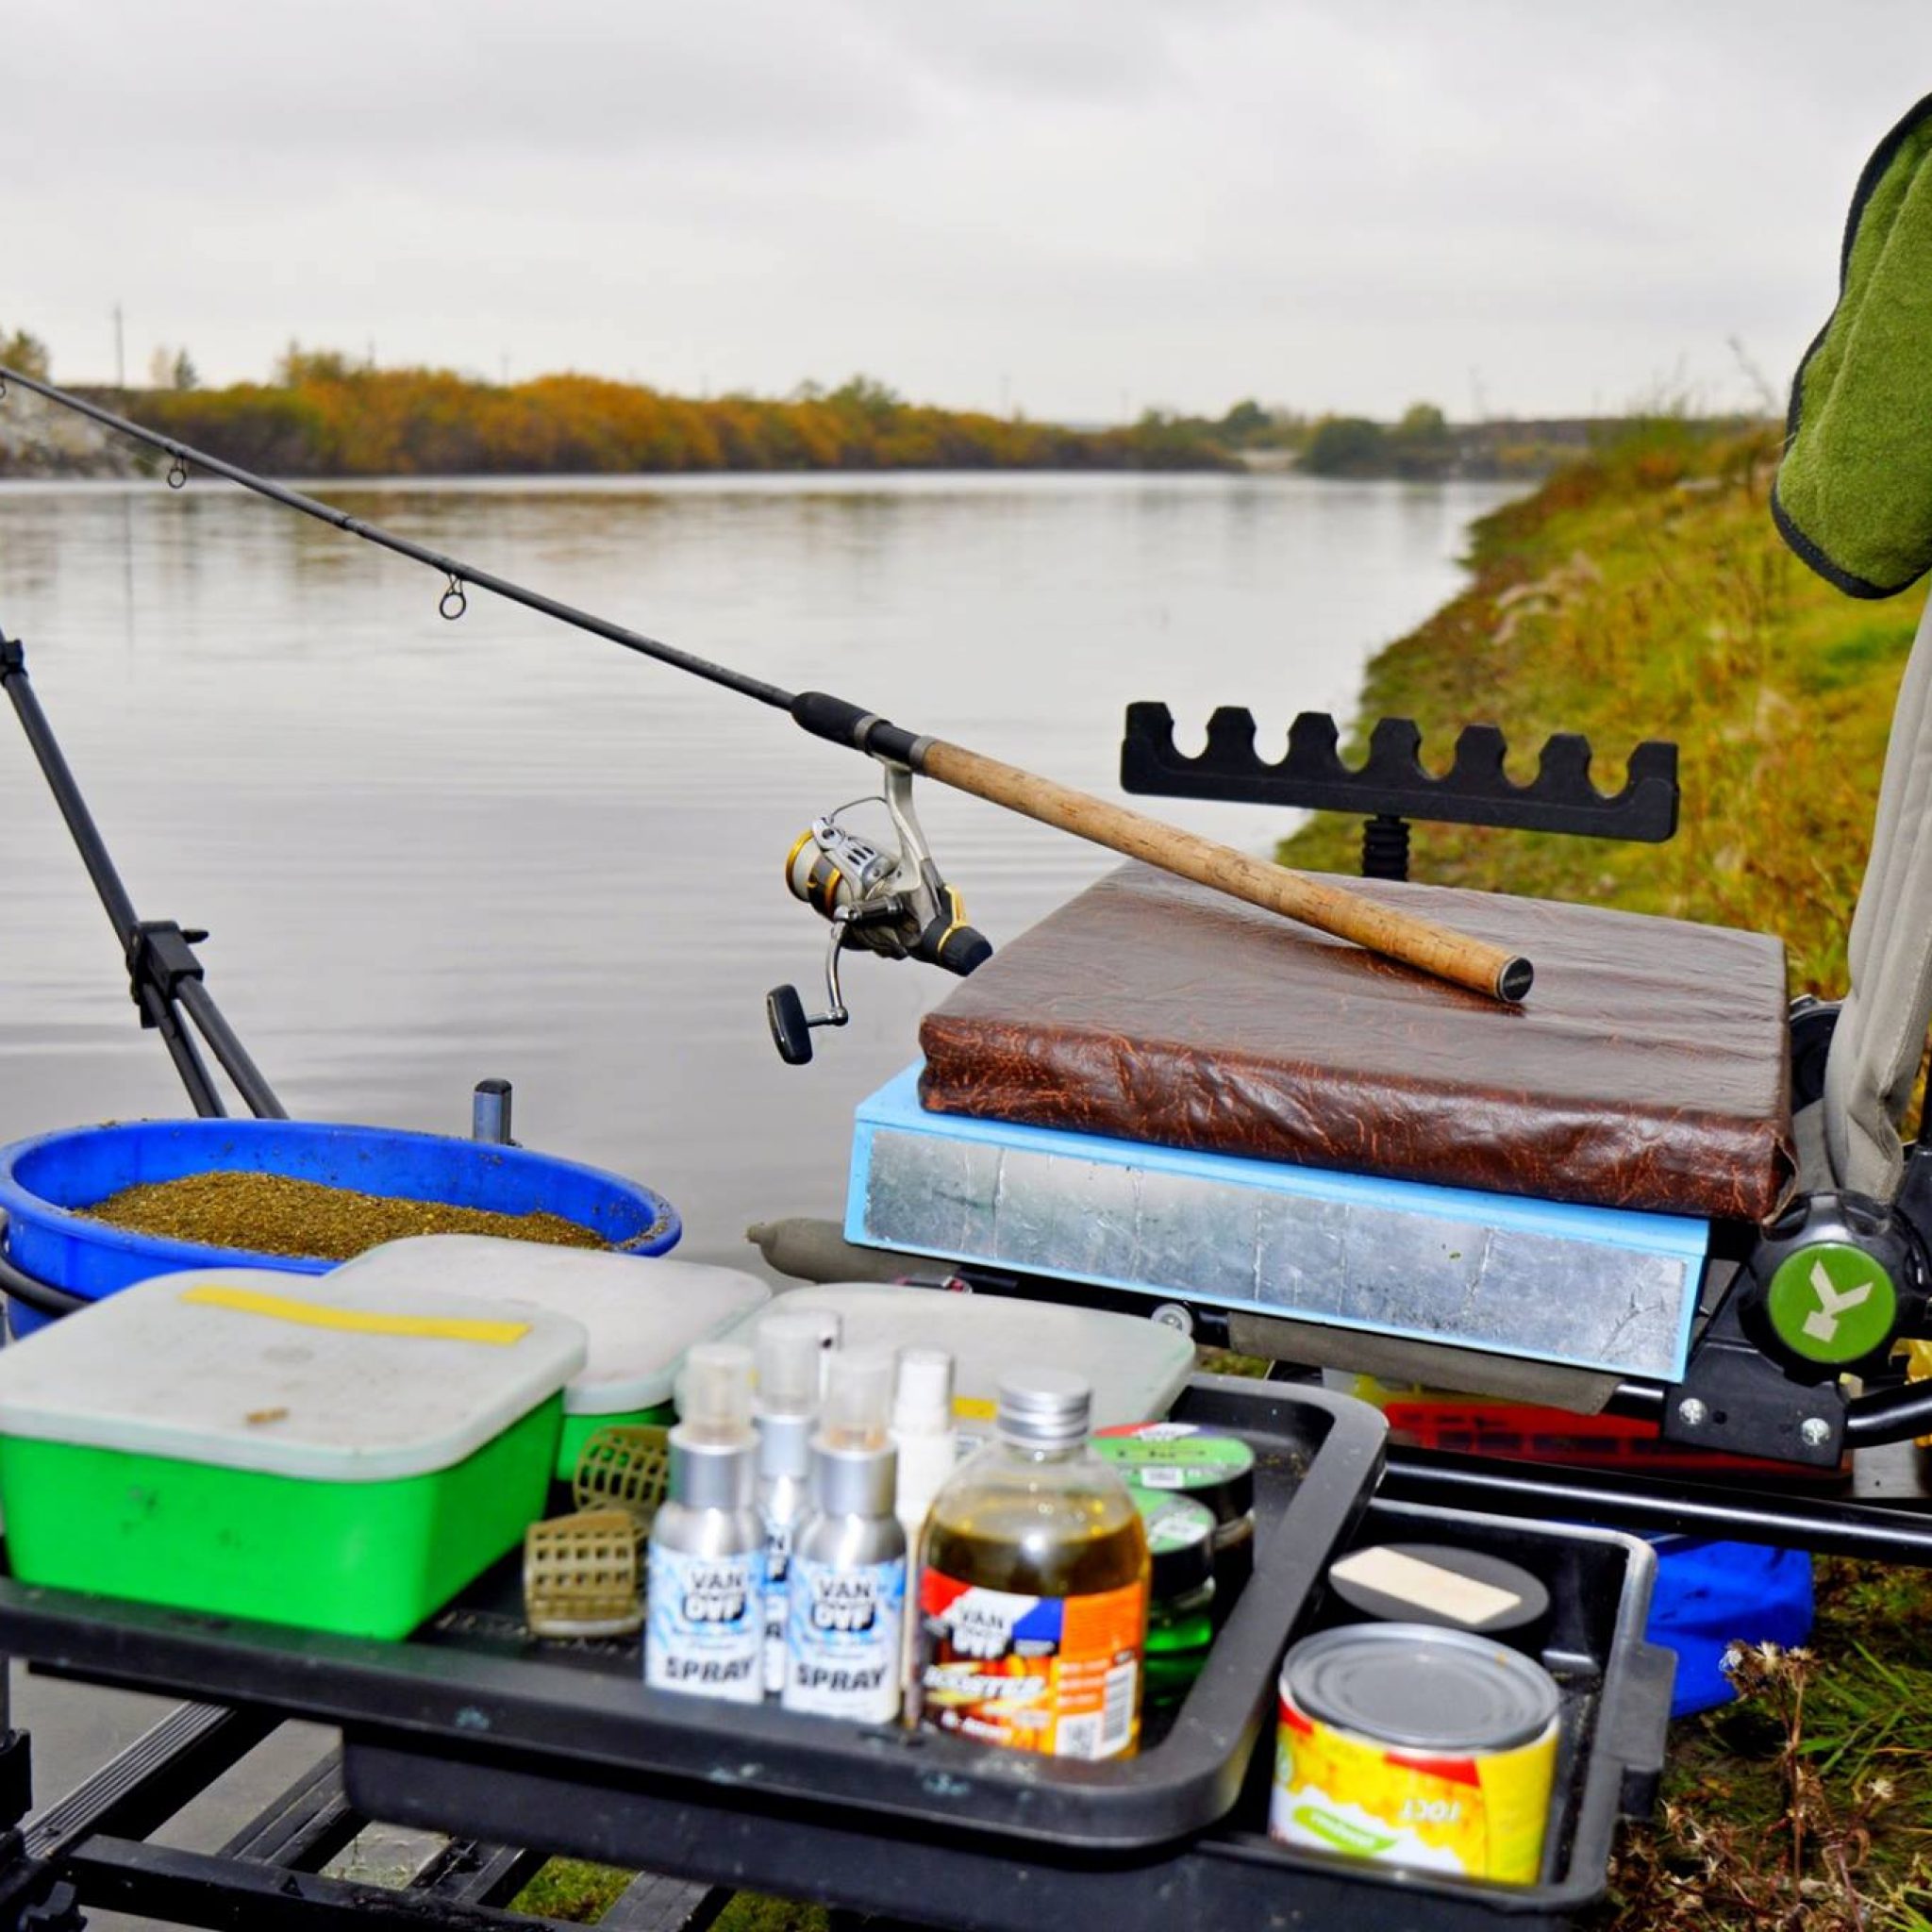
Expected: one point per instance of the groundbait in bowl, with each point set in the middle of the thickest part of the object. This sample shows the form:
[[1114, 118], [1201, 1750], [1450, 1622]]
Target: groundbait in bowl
[[44, 1181]]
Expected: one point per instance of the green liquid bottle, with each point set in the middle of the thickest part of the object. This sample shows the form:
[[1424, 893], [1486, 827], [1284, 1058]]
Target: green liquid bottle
[[1181, 1609]]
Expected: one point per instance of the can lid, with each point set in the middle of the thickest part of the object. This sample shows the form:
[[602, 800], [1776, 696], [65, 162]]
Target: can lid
[[1180, 1540], [1421, 1688], [1436, 1582], [1218, 1471]]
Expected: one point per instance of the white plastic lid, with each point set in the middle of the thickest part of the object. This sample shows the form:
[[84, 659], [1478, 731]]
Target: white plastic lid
[[859, 1399], [1137, 1367], [317, 1376], [790, 1352], [922, 1397], [714, 1394], [641, 1312]]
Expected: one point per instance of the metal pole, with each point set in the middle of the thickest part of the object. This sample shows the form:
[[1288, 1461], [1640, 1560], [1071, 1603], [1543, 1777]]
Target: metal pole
[[1824, 1524], [203, 1096], [61, 781], [234, 1056]]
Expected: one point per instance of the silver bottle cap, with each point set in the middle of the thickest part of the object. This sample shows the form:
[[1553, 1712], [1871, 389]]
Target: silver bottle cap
[[1044, 1408]]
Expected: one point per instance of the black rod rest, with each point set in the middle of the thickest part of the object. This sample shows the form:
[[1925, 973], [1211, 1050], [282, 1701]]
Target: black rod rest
[[1393, 782], [1393, 786]]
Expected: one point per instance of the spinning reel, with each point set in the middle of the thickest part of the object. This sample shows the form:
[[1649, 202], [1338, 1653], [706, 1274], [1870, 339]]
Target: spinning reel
[[893, 903]]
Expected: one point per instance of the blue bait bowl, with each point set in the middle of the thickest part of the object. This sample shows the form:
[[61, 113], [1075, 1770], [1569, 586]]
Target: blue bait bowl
[[43, 1181]]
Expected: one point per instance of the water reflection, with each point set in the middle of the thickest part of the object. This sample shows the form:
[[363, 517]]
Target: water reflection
[[432, 851]]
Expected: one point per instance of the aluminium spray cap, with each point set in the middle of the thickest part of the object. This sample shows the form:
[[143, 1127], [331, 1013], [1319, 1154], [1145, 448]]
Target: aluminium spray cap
[[859, 1399], [714, 1394], [789, 1349], [922, 1396], [1044, 1408]]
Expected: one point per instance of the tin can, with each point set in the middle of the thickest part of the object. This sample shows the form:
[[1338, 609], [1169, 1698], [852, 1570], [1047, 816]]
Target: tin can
[[1416, 1747]]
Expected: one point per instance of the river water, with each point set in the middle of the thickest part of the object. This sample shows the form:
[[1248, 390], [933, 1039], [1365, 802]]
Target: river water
[[430, 851]]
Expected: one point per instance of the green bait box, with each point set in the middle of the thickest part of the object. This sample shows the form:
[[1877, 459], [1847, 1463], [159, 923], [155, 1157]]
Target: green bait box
[[320, 1452]]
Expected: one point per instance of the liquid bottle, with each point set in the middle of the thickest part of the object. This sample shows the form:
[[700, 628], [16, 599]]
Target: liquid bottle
[[928, 1447], [1033, 1593], [843, 1651], [923, 1435], [791, 1350], [705, 1614]]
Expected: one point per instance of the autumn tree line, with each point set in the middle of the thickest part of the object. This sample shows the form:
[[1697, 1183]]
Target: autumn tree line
[[326, 414]]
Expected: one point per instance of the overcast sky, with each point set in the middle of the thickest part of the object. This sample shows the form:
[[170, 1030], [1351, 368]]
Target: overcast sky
[[1074, 206]]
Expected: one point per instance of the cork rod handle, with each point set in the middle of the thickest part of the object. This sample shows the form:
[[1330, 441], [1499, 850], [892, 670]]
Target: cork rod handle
[[1329, 908]]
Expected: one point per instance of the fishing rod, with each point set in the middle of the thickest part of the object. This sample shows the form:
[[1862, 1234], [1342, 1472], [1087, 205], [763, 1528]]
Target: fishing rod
[[896, 903]]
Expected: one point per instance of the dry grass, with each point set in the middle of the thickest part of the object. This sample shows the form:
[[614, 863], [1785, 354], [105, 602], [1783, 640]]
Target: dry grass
[[1806, 1807]]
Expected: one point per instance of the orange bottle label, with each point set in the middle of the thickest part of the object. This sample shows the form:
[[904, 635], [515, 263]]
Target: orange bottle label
[[1059, 1676]]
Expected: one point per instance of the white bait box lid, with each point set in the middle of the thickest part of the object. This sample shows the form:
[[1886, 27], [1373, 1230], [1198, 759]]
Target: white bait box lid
[[323, 1378], [639, 1312], [1136, 1366]]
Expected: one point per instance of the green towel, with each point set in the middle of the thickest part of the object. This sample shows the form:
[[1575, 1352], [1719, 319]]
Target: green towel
[[1854, 492]]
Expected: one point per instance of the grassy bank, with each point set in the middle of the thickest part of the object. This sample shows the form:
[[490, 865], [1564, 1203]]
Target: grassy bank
[[1644, 593]]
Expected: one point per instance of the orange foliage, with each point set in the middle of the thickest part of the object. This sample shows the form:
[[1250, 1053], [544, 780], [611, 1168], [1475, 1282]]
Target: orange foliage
[[324, 417]]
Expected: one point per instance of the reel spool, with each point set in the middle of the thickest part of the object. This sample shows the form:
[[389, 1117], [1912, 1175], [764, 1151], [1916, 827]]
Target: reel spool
[[892, 902]]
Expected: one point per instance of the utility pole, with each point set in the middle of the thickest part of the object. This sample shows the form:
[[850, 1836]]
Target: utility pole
[[120, 352]]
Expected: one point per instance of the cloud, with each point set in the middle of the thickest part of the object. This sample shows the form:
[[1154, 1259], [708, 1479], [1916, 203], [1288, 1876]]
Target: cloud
[[1344, 203]]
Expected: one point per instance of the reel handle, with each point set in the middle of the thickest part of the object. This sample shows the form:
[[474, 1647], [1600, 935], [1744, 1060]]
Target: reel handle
[[792, 1024]]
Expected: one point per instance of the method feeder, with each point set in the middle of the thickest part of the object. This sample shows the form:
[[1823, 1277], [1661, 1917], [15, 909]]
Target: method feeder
[[897, 903]]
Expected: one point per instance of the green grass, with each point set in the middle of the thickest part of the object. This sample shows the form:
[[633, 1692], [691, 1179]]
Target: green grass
[[1645, 594], [581, 1893]]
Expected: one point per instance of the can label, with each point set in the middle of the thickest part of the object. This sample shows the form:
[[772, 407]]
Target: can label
[[1175, 1455], [1479, 1814], [705, 1633], [1058, 1675], [843, 1638]]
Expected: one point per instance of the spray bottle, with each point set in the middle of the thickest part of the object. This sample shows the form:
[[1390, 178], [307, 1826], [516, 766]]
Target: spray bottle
[[923, 1433], [790, 1352], [705, 1627], [843, 1649]]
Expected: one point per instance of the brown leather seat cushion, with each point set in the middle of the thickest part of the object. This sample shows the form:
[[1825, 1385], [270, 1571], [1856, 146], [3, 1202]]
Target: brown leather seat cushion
[[1649, 1067]]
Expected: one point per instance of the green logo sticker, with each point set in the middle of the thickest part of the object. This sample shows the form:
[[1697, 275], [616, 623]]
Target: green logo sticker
[[1343, 1833], [1831, 1303]]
